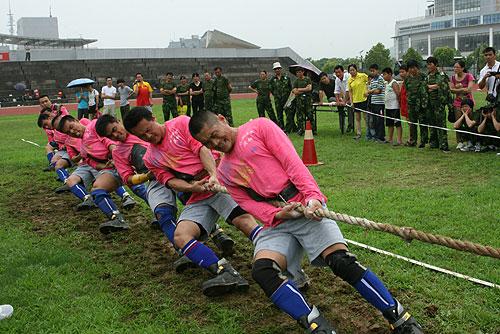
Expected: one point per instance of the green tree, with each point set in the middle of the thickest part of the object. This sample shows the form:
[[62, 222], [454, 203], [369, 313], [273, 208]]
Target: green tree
[[474, 62], [445, 55], [379, 55], [412, 54]]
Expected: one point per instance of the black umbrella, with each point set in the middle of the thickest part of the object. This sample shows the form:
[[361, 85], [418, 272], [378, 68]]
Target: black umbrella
[[20, 87], [309, 70]]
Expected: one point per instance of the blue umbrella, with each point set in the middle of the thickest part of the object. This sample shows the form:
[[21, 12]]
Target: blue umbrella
[[80, 82]]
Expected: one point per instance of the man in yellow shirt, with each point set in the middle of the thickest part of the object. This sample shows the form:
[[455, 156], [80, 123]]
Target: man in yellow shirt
[[357, 84], [144, 92]]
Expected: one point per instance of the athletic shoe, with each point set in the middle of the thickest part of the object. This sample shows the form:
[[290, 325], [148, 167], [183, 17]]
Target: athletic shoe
[[410, 144], [460, 146], [401, 322], [223, 242], [128, 202], [477, 148], [116, 224], [227, 280], [358, 137], [87, 204], [62, 189], [315, 323], [183, 263], [49, 168], [445, 150], [421, 145], [6, 311]]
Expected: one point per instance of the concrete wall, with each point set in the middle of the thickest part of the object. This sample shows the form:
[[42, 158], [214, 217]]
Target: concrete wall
[[89, 54]]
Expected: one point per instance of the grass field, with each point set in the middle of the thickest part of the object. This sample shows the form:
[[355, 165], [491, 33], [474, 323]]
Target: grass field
[[62, 276]]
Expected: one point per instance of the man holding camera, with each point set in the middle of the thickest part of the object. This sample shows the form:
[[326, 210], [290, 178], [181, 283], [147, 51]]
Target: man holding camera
[[490, 74]]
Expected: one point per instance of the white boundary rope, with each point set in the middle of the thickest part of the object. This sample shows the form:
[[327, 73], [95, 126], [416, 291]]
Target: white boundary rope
[[426, 125], [30, 142], [425, 265]]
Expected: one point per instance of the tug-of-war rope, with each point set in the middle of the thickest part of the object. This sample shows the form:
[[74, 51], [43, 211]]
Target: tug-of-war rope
[[407, 233]]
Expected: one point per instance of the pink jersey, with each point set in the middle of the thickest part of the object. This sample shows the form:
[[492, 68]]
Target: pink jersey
[[50, 135], [60, 138], [55, 110], [74, 145], [94, 149], [264, 159], [121, 156], [178, 151]]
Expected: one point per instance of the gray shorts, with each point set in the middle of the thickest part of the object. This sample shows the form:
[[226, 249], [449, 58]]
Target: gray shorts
[[206, 213], [109, 110], [89, 174], [159, 194], [291, 236], [64, 155]]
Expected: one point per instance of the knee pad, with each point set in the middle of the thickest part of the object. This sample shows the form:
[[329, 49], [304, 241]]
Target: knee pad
[[237, 211], [268, 275], [165, 212], [346, 266]]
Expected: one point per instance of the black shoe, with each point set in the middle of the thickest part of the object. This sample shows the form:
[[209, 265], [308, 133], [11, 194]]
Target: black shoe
[[223, 242], [62, 189], [183, 263], [49, 168], [349, 129], [445, 150], [422, 145], [87, 204], [128, 202], [226, 280], [155, 225], [315, 323], [116, 224], [401, 322], [410, 144]]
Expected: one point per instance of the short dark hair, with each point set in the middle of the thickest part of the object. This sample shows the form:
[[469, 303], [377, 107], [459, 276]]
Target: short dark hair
[[138, 73], [64, 120], [323, 74], [46, 110], [373, 67], [41, 118], [109, 78], [387, 70], [119, 81], [432, 60], [461, 63], [195, 75], [169, 73], [135, 115], [44, 95], [198, 120], [489, 49], [53, 122], [217, 68], [403, 67], [353, 66], [264, 71], [468, 102], [182, 77], [102, 123], [413, 63], [339, 67]]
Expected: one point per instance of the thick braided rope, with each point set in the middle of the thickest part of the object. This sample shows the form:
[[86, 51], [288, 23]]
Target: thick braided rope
[[407, 233]]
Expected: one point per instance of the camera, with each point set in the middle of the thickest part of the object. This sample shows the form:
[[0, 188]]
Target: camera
[[493, 73]]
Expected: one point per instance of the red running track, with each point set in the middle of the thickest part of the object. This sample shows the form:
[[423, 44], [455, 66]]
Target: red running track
[[31, 110]]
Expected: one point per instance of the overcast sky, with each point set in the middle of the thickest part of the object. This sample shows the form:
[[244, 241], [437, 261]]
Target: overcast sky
[[314, 29]]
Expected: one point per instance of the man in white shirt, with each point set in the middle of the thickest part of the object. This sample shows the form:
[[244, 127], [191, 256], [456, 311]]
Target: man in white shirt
[[492, 65], [342, 95], [108, 93]]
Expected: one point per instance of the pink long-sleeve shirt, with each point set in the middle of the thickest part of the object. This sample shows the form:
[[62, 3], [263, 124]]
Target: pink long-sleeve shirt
[[74, 145], [178, 151], [122, 156], [94, 145], [264, 159]]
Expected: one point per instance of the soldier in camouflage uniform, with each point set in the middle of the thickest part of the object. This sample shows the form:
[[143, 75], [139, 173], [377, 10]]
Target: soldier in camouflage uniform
[[439, 97], [168, 89], [302, 88], [208, 91], [281, 86], [263, 90], [183, 94], [222, 101], [416, 92]]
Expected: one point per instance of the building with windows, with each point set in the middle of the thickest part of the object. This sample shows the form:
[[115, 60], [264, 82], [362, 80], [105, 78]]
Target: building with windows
[[460, 24]]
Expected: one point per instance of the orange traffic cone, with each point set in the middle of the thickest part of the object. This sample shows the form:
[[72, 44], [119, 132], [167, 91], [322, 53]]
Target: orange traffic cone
[[309, 152]]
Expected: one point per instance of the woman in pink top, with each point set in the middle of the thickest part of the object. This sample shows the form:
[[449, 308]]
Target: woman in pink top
[[461, 85]]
